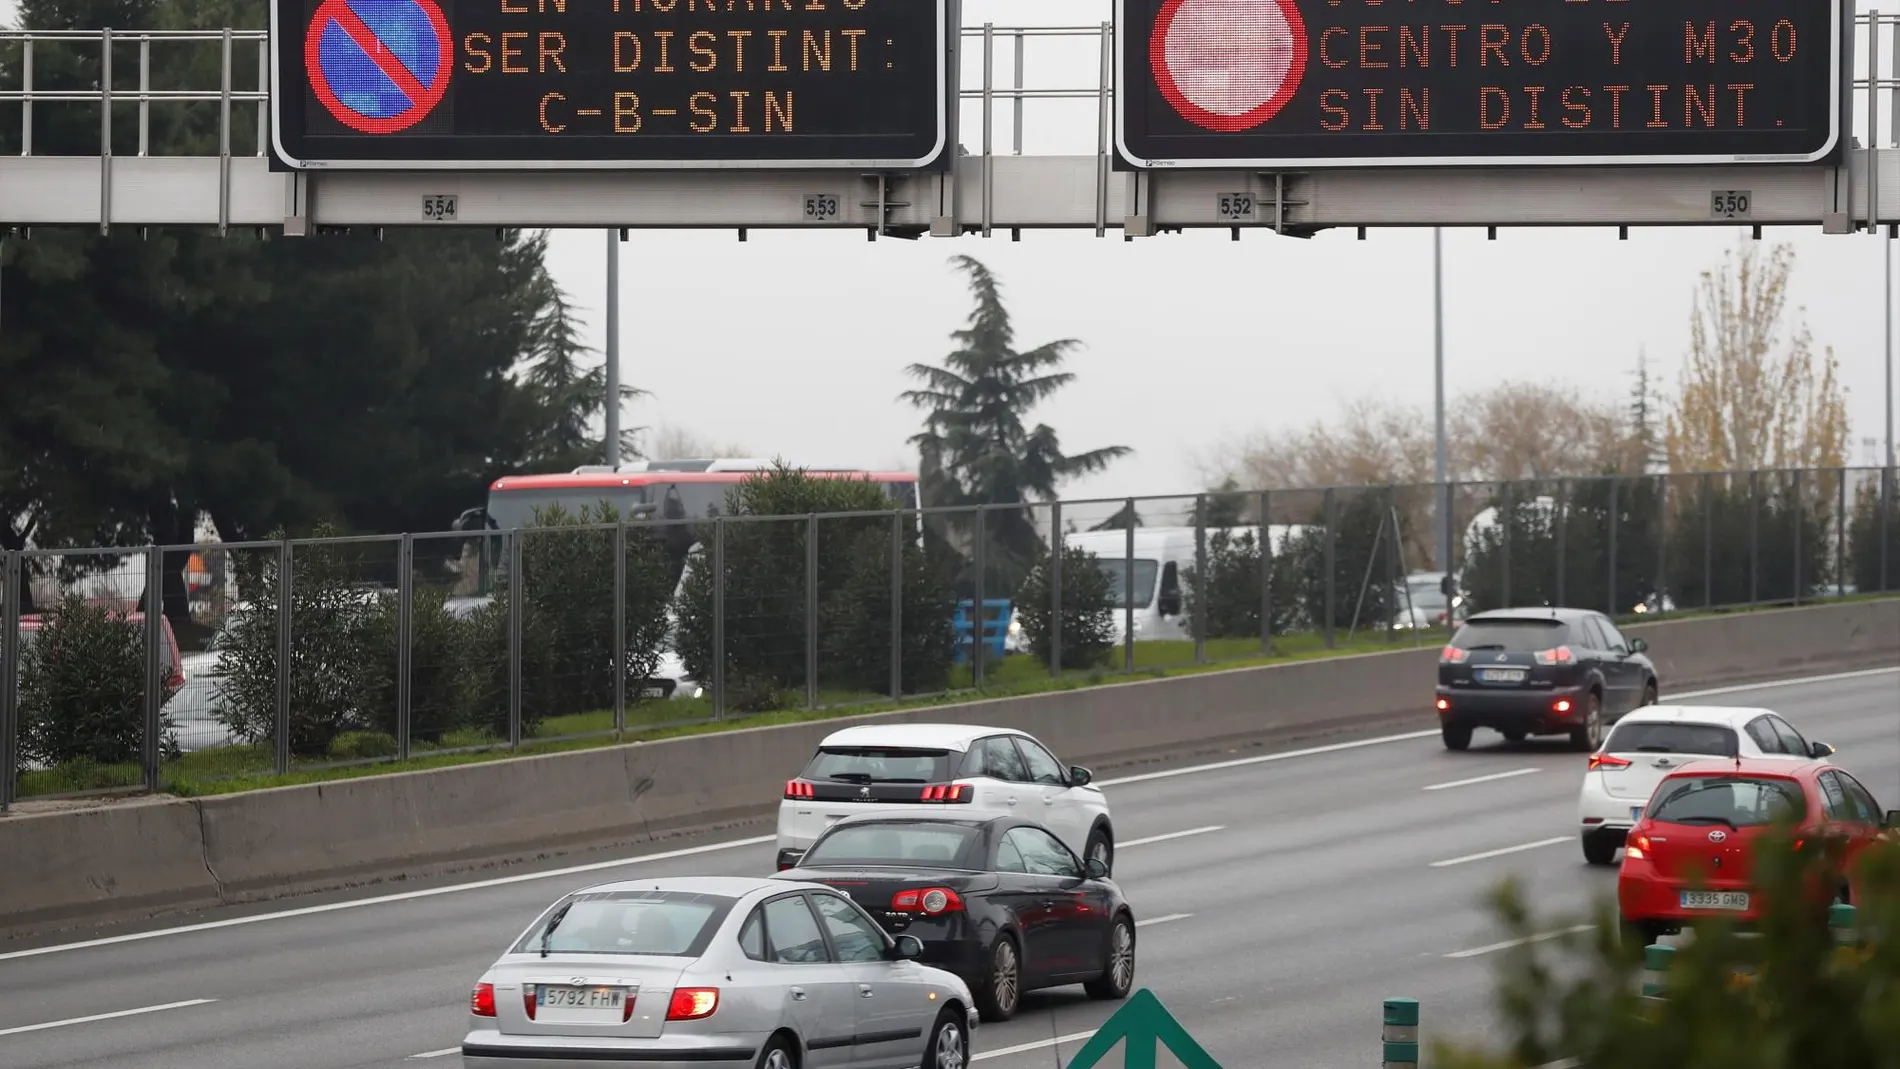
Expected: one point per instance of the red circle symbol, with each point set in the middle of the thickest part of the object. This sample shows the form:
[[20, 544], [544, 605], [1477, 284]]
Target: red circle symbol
[[379, 66], [1228, 65]]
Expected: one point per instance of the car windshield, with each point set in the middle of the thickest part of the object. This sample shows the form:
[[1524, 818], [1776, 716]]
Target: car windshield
[[664, 923], [897, 843], [1511, 636], [1712, 739], [881, 764], [1115, 568], [1736, 801], [1425, 594]]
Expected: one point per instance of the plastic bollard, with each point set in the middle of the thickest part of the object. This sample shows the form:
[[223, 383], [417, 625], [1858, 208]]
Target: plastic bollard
[[1656, 958], [1400, 1034], [1842, 920]]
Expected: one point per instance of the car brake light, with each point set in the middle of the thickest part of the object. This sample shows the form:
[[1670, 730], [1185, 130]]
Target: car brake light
[[1562, 705], [950, 792], [1637, 847], [1604, 760], [1444, 703], [481, 1002], [1560, 655], [692, 1003], [528, 1000], [927, 900], [1452, 655], [798, 788]]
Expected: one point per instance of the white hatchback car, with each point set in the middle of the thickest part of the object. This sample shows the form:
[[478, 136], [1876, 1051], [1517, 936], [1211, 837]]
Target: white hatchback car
[[1648, 743], [921, 768]]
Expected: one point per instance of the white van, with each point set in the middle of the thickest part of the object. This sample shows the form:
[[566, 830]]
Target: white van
[[1163, 557]]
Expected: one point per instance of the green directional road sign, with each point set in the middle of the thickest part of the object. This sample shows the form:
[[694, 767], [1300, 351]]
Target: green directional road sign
[[1147, 1025]]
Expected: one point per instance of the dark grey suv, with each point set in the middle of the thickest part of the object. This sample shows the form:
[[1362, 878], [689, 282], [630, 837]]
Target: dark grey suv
[[1540, 671]]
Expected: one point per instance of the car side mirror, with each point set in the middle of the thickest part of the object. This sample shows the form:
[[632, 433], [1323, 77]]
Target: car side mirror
[[1893, 818], [1820, 749], [1169, 605], [1637, 645], [909, 948], [1096, 868], [1079, 776]]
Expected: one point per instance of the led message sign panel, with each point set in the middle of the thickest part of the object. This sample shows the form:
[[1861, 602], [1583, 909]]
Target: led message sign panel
[[1375, 83], [600, 84]]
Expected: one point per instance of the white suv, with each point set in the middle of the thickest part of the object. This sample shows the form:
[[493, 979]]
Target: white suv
[[1648, 743], [921, 768]]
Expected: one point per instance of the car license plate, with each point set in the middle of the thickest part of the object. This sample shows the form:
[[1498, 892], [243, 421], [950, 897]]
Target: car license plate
[[1501, 675], [1636, 812], [564, 997], [1715, 900]]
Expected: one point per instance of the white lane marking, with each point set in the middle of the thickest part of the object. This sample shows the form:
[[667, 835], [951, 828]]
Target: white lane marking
[[1173, 835], [406, 896], [1383, 740], [1501, 852], [1003, 1052], [1480, 779], [1163, 919], [477, 885], [1526, 941], [105, 1016], [443, 1053]]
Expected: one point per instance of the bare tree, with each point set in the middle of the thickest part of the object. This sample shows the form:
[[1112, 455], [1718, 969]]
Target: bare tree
[[1750, 396], [1525, 430]]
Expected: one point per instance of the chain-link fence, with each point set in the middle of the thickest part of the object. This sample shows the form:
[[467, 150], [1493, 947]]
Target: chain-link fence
[[275, 657]]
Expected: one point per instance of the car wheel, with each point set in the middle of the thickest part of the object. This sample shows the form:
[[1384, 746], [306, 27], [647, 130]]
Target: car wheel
[[1589, 735], [778, 1054], [948, 1047], [1002, 982], [1118, 978], [1515, 735], [1649, 693], [1103, 848], [1457, 736], [1598, 849]]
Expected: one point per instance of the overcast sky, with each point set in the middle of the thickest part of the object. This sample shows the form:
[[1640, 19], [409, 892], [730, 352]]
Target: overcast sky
[[794, 343]]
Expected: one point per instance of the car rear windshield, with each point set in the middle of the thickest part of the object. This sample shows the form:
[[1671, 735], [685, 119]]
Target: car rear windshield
[[1511, 636], [882, 764], [1737, 801], [664, 923], [1712, 739], [896, 843]]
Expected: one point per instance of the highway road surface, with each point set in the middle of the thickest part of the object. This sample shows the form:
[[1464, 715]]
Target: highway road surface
[[1281, 896]]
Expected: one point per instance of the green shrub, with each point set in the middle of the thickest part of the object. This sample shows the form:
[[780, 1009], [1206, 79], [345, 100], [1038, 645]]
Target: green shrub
[[1863, 538], [855, 626], [765, 565], [1711, 561], [82, 688], [441, 688], [1090, 629], [1232, 595], [1560, 545]]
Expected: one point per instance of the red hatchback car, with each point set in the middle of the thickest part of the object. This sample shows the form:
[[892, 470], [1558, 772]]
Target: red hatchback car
[[1689, 857]]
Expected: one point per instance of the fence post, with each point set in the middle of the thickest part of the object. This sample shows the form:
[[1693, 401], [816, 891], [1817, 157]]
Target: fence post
[[1563, 536], [286, 561], [1331, 557], [620, 625], [1800, 520], [1200, 578], [1708, 540], [1400, 1035], [1886, 516], [811, 611], [154, 640], [1266, 575], [10, 601], [405, 642], [1611, 522], [978, 558], [1506, 513], [1754, 537], [1661, 584], [1840, 533], [719, 618], [517, 580], [897, 605], [1128, 588], [1056, 546], [1656, 960]]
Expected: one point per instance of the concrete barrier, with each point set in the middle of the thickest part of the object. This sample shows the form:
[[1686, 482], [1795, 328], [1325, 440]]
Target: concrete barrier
[[123, 859]]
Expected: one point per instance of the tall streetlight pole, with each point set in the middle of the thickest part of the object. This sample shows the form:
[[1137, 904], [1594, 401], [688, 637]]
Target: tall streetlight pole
[[613, 348], [1438, 374]]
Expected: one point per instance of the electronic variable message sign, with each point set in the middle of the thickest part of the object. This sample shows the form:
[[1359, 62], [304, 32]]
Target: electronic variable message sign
[[603, 84], [1423, 83]]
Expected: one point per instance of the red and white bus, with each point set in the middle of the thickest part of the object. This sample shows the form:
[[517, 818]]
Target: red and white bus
[[652, 490]]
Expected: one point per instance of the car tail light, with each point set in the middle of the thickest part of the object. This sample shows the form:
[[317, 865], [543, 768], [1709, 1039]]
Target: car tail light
[[481, 1002], [798, 788], [528, 1000], [950, 792], [692, 1003], [1603, 760], [1443, 704], [1452, 655], [929, 901], [1562, 705], [1560, 655], [1637, 847]]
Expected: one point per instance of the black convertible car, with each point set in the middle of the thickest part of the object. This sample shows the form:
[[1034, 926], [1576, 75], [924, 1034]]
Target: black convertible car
[[1000, 902]]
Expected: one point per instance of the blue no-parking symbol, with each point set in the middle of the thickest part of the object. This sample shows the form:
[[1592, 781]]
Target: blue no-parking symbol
[[379, 66]]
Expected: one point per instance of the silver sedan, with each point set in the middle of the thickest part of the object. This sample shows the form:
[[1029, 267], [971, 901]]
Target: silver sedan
[[711, 971]]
